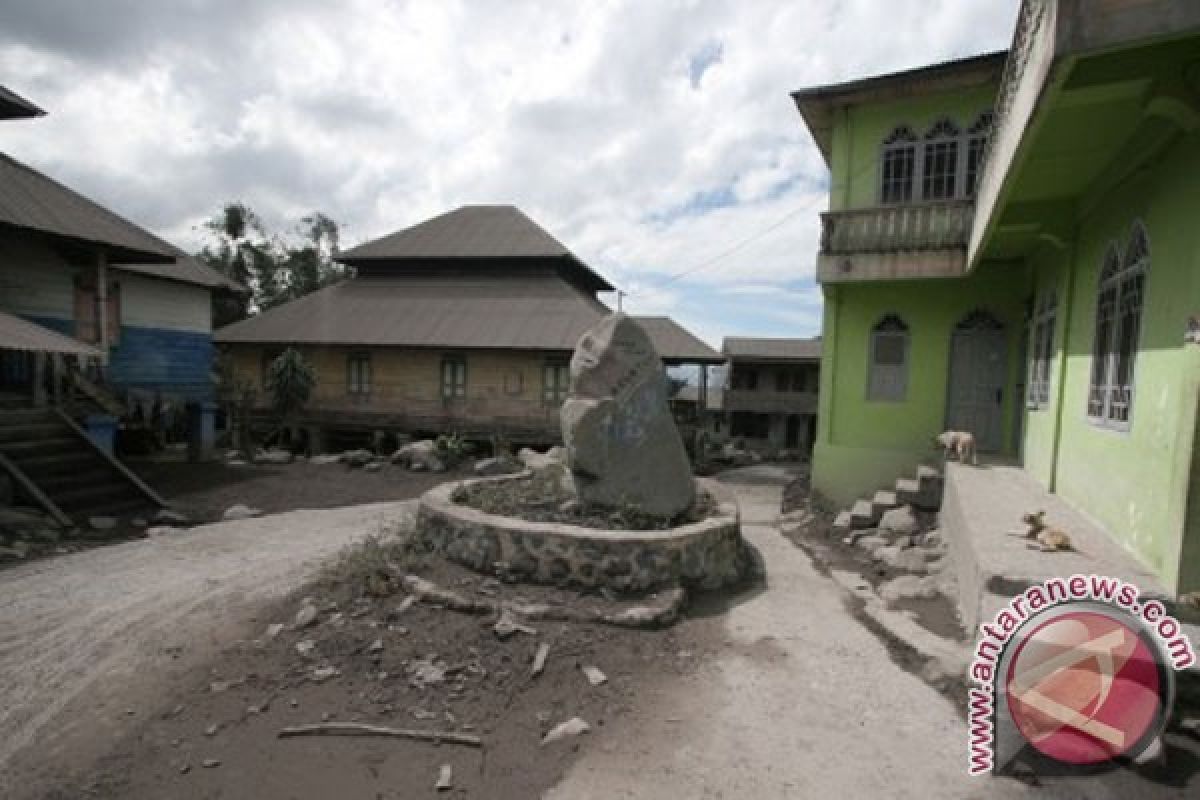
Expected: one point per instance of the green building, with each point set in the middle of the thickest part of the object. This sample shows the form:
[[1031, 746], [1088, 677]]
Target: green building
[[1012, 248]]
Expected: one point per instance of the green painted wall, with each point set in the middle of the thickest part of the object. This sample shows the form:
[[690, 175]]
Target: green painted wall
[[862, 445], [1135, 482], [859, 132]]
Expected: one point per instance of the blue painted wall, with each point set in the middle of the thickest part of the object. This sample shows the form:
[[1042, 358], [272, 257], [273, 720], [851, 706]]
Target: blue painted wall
[[176, 363]]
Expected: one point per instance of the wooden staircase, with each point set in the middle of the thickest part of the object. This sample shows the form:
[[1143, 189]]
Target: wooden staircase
[[923, 492], [57, 465]]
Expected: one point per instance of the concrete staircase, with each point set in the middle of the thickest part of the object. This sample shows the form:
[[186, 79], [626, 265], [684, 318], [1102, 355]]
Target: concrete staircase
[[54, 463], [923, 492]]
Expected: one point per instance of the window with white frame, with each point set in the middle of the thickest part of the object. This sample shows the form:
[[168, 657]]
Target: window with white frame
[[454, 377], [1041, 349], [939, 164], [887, 370], [358, 374], [945, 164], [899, 166], [1120, 295]]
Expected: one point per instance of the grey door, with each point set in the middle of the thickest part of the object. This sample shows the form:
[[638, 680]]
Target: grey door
[[978, 368]]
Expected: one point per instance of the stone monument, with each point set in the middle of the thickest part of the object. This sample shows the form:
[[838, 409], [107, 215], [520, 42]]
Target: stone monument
[[623, 448]]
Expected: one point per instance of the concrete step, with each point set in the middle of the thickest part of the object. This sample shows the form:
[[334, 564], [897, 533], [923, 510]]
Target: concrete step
[[863, 515], [842, 522], [909, 491], [884, 501], [926, 474]]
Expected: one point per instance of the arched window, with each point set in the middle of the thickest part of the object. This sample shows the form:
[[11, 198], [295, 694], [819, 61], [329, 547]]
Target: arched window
[[1041, 349], [1119, 300], [939, 167], [977, 136], [887, 371], [899, 166]]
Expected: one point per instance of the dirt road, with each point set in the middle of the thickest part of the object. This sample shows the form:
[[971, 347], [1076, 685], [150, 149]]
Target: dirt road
[[86, 641], [801, 702]]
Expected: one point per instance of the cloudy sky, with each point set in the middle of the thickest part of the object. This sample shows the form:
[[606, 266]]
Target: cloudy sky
[[653, 137]]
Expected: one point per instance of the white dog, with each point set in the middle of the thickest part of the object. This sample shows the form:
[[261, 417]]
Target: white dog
[[961, 443]]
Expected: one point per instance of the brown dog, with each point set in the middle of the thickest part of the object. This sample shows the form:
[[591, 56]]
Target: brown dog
[[961, 443]]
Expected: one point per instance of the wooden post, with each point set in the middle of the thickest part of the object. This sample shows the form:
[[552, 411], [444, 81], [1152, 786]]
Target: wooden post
[[56, 378], [39, 379], [102, 306]]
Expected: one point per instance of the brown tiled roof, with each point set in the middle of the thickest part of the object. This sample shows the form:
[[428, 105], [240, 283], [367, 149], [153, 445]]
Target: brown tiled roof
[[515, 312], [497, 233], [749, 349], [670, 337], [13, 106], [32, 201], [20, 334]]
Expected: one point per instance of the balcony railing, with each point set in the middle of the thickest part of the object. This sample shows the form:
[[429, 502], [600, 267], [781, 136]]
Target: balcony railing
[[770, 402], [894, 229]]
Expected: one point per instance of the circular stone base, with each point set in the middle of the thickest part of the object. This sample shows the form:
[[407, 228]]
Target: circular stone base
[[706, 554]]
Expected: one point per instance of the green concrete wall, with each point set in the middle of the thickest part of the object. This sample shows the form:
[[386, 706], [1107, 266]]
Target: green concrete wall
[[859, 131], [864, 445], [1136, 482]]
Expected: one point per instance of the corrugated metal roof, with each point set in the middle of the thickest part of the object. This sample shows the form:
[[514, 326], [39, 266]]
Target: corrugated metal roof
[[738, 347], [498, 233], [20, 334], [32, 201], [670, 337], [515, 312], [13, 106]]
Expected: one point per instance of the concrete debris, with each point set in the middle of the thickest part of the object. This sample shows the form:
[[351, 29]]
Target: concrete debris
[[445, 780], [594, 676], [539, 659], [902, 521], [572, 727], [426, 671], [670, 604], [240, 511]]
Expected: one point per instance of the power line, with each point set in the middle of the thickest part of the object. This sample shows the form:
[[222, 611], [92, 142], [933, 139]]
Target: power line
[[730, 251]]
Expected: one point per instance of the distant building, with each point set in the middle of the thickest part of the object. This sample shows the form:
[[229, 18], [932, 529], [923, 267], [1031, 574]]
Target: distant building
[[770, 397], [463, 323]]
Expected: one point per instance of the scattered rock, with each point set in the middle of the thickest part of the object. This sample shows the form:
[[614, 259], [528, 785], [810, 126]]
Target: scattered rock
[[665, 612], [184, 769], [306, 647], [210, 763], [908, 587], [162, 530], [138, 522], [501, 465], [170, 517], [623, 447], [357, 458], [329, 458], [274, 629], [901, 521], [445, 780], [430, 592], [594, 676], [322, 674], [211, 730], [419, 457], [273, 456], [909, 559], [305, 617], [240, 511], [426, 671], [375, 646], [572, 727], [373, 466], [871, 543], [507, 625], [554, 457], [102, 523]]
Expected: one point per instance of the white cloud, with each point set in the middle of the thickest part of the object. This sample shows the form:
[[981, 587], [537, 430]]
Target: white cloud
[[649, 137]]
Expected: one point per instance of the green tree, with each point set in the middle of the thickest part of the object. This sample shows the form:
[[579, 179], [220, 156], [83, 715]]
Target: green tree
[[236, 252], [290, 381]]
